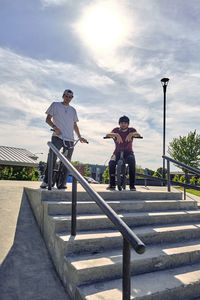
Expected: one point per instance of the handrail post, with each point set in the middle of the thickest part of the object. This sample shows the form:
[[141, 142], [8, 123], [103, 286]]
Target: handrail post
[[126, 282], [50, 169], [168, 176], [74, 206]]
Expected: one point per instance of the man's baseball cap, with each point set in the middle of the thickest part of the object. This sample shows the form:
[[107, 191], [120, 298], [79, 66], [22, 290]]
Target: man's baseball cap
[[68, 92]]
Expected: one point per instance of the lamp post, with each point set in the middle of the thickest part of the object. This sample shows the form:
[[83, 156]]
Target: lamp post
[[164, 82]]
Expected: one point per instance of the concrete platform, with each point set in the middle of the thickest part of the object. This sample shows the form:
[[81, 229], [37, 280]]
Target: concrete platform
[[26, 268]]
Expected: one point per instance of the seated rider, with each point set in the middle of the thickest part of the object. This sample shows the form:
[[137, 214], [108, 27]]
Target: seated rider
[[123, 138]]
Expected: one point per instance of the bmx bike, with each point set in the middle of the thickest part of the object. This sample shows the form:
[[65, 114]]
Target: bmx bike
[[59, 168], [122, 168]]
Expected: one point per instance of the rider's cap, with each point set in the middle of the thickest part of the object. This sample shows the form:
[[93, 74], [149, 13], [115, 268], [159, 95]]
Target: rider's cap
[[68, 92], [124, 119]]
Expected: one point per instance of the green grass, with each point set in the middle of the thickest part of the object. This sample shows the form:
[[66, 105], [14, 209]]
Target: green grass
[[190, 191]]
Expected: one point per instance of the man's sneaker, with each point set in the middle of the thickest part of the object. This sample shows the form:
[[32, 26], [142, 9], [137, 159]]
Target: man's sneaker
[[132, 188], [110, 188], [43, 185], [62, 187]]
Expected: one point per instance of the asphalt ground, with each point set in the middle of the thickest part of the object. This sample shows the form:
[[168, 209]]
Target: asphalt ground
[[26, 269]]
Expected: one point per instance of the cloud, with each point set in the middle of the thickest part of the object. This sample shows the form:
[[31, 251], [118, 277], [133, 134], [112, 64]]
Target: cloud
[[47, 3], [161, 40]]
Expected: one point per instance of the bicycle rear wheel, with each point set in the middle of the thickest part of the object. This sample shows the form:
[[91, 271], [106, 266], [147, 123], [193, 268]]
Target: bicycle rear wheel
[[120, 174], [60, 175], [125, 177], [54, 177], [55, 173]]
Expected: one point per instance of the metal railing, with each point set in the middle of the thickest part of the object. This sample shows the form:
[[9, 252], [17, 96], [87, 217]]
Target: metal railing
[[178, 163], [129, 237], [170, 182]]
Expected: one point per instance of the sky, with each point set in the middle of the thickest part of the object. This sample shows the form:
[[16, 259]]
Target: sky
[[112, 54]]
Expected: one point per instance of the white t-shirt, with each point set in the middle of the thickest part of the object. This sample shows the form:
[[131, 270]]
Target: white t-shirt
[[64, 118]]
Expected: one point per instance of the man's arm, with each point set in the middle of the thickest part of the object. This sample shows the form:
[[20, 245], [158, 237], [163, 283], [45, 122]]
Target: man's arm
[[132, 135], [51, 124], [76, 129], [115, 135]]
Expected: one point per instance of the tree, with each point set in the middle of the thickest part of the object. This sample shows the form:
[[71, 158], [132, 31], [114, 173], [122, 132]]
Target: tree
[[186, 149], [159, 173], [77, 163], [148, 171], [106, 175], [87, 170]]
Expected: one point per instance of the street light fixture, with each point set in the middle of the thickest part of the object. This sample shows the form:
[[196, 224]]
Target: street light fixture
[[164, 82]]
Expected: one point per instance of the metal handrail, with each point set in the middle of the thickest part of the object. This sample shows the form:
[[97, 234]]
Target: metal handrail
[[193, 170], [129, 237], [170, 182]]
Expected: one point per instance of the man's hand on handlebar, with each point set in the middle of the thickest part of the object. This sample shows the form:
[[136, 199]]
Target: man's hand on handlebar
[[57, 131], [118, 139], [115, 136], [82, 140], [132, 135]]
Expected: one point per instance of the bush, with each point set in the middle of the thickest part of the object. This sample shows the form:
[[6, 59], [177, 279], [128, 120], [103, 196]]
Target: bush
[[182, 179], [193, 180], [176, 178], [19, 173]]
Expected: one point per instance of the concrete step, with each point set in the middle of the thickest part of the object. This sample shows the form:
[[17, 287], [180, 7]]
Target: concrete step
[[96, 222], [98, 241], [107, 265], [92, 260], [57, 195], [83, 207], [181, 283]]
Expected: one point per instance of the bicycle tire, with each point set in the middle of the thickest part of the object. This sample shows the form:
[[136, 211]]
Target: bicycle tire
[[55, 173], [54, 177], [59, 179], [119, 174], [125, 177]]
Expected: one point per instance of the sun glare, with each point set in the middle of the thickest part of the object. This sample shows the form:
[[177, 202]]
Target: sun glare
[[101, 27]]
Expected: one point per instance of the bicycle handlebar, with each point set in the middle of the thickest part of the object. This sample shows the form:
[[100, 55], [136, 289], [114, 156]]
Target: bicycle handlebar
[[75, 141], [137, 137]]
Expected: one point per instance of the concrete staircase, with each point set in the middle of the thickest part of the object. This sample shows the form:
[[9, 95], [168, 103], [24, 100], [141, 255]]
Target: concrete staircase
[[90, 265]]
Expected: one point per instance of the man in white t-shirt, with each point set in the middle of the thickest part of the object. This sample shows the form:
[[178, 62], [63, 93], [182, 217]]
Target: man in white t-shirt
[[62, 117]]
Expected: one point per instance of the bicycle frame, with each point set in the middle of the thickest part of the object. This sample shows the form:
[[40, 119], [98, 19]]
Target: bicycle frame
[[58, 170]]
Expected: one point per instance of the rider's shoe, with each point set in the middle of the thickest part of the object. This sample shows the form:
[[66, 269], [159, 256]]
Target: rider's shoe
[[62, 187], [132, 188], [43, 185], [111, 188]]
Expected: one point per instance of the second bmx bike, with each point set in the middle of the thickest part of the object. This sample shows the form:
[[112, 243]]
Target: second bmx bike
[[122, 168]]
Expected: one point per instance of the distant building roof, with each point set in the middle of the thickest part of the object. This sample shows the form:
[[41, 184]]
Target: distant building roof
[[17, 157]]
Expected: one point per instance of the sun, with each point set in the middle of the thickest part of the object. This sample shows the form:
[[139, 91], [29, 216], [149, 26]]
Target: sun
[[102, 27]]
